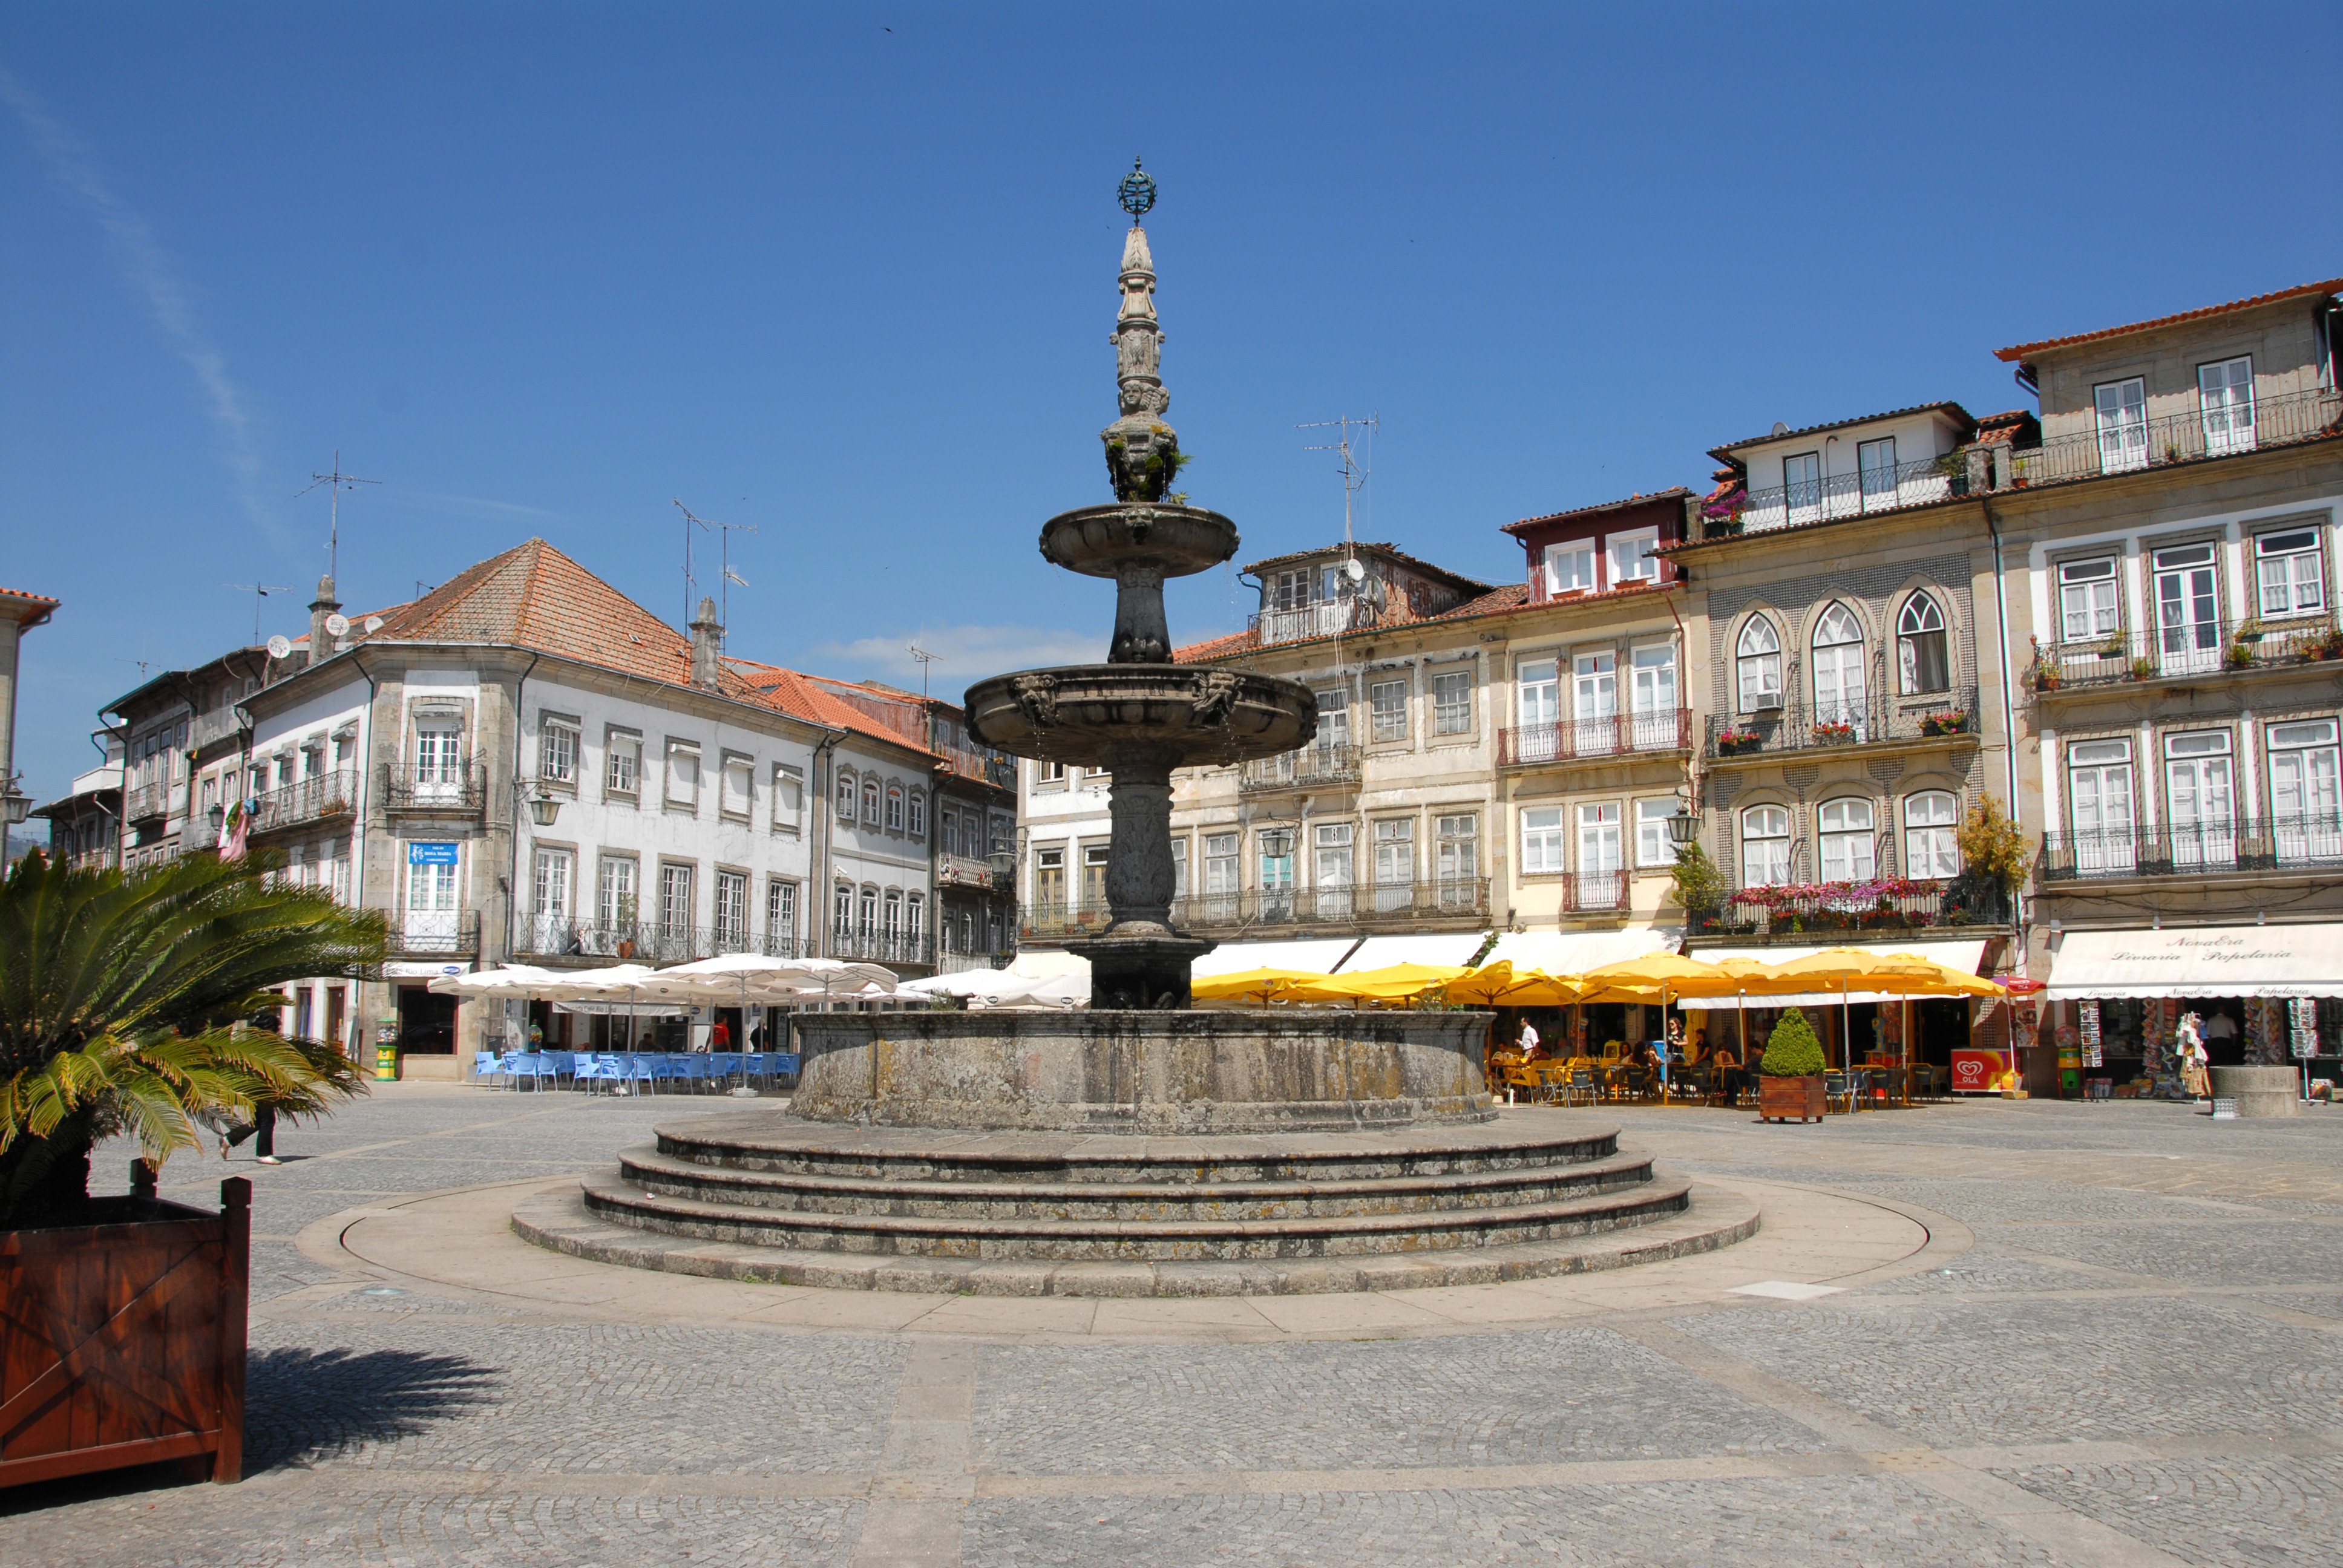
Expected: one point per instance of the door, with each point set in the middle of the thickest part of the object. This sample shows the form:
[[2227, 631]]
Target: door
[[1221, 879], [2306, 806], [555, 910], [439, 763], [1600, 881], [2225, 392], [1394, 866], [431, 913], [1595, 710], [2098, 776], [1841, 695], [1457, 862], [1537, 695], [1654, 728], [1802, 487], [1875, 462], [1332, 877], [2201, 799], [2122, 407], [2187, 606]]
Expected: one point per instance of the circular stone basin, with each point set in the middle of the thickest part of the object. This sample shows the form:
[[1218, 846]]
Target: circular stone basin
[[1152, 1072], [1100, 541], [1094, 714]]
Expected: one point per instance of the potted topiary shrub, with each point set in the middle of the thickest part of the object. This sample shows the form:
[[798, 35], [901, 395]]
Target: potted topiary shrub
[[1790, 1073]]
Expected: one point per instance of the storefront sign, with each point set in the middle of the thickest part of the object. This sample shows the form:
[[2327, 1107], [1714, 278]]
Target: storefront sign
[[419, 854], [1977, 1072], [2201, 961]]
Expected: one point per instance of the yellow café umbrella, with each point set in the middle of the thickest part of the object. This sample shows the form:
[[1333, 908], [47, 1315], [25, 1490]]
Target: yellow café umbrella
[[1263, 986], [1501, 984], [1661, 977], [1846, 970], [1394, 982]]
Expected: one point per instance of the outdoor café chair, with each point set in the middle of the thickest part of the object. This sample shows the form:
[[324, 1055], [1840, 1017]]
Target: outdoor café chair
[[1521, 1078], [1581, 1089], [487, 1065], [592, 1069], [1835, 1091], [1554, 1081]]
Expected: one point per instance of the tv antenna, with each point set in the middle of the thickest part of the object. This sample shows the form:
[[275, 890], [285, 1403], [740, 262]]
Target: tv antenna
[[1355, 473], [339, 481], [689, 523], [925, 658], [259, 591]]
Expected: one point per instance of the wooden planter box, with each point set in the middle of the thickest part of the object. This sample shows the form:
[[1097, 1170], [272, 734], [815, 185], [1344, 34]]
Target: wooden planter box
[[122, 1343], [1790, 1098]]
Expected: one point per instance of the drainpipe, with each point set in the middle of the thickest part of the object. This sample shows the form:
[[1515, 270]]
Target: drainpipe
[[819, 867], [2009, 709], [512, 885], [355, 1019]]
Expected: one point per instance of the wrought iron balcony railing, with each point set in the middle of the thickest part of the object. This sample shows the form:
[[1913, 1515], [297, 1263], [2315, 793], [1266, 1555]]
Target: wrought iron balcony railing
[[2192, 649], [1890, 904], [146, 802], [1357, 906], [964, 871], [1593, 892], [461, 793], [2219, 847], [297, 805], [883, 947], [1584, 739], [1807, 727], [984, 766], [2185, 437], [1915, 484], [1328, 617], [1313, 767], [644, 941], [433, 932]]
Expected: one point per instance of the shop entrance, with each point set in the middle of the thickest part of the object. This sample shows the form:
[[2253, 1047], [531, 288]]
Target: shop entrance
[[1940, 1026], [427, 1023]]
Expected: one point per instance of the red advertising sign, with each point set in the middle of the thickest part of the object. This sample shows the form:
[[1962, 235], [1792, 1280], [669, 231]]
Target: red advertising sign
[[1977, 1072]]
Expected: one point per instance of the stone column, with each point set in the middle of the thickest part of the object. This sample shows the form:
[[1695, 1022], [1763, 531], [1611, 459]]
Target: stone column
[[1142, 635], [1139, 877]]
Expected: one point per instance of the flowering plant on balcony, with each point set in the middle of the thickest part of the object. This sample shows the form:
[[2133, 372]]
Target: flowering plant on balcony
[[1737, 738], [1832, 731], [1870, 903], [1949, 722]]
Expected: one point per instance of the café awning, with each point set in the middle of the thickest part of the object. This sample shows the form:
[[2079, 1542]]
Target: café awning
[[1313, 957], [1963, 955], [1576, 952], [2199, 961]]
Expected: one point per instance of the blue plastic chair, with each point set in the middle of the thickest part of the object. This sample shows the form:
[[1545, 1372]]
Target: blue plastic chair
[[592, 1069], [486, 1066]]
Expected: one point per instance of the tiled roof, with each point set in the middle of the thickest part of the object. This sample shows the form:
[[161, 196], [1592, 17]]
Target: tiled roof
[[31, 608], [802, 695], [1725, 453], [1256, 567], [1673, 492], [1497, 601], [2329, 286], [2018, 424]]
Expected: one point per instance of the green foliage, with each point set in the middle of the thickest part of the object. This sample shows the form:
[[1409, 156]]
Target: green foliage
[[1992, 846], [122, 1001], [1792, 1050], [1700, 886]]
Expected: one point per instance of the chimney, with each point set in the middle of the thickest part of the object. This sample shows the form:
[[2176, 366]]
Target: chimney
[[321, 642], [707, 645]]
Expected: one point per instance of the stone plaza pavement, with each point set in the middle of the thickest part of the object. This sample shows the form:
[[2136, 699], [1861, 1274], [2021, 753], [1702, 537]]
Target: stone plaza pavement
[[2058, 1335]]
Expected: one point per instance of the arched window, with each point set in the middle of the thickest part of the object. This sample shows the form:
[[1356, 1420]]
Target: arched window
[[871, 802], [846, 795], [1764, 846], [894, 807], [1845, 828], [918, 809], [842, 912], [1931, 820], [1758, 657], [1839, 693], [1920, 657]]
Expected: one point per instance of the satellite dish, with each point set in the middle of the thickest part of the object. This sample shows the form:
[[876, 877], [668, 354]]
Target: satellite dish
[[338, 625], [1354, 571], [374, 623], [1780, 428], [280, 647]]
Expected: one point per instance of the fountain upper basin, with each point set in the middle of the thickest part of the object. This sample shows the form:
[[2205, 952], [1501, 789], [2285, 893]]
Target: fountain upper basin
[[1105, 541], [1095, 715]]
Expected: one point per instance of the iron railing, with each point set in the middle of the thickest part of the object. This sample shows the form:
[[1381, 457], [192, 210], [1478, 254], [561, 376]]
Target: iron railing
[[149, 801], [1593, 892], [644, 941], [953, 961], [431, 932], [1313, 767], [312, 799], [984, 766], [882, 947], [1887, 904], [1328, 617], [2216, 848], [1581, 740], [1807, 727], [2184, 437], [463, 794], [1359, 906], [1915, 484], [2191, 648], [964, 871]]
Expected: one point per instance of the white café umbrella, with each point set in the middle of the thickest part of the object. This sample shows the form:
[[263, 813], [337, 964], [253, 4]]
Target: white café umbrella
[[1005, 988]]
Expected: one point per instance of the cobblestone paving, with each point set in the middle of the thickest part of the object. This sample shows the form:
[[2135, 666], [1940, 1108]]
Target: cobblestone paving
[[2139, 1360]]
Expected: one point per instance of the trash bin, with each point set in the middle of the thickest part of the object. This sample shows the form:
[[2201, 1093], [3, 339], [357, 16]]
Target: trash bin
[[386, 1049]]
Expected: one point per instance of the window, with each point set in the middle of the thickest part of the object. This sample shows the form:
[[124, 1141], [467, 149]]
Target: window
[[1598, 840], [431, 912], [781, 919], [1394, 863], [1049, 879], [335, 875], [1451, 703], [1179, 867], [2287, 570], [554, 881], [1653, 847], [1757, 658], [841, 914], [846, 794], [614, 900], [1331, 874], [948, 831], [1334, 720], [2099, 797], [915, 918], [1388, 702], [1931, 820], [1845, 827], [1221, 871], [789, 799], [871, 801], [2187, 610], [622, 762], [1538, 689], [1094, 862], [866, 909], [892, 919], [1289, 590], [1802, 486], [1542, 840], [2225, 392], [1594, 686], [1654, 698], [1921, 661], [1764, 846], [2200, 798], [557, 752], [2306, 803], [1052, 772], [1840, 693], [916, 806], [1569, 568], [2122, 408], [675, 902], [438, 758], [732, 911], [683, 774], [894, 807], [1631, 559], [1276, 847], [1457, 851], [740, 787], [1876, 466], [2086, 599]]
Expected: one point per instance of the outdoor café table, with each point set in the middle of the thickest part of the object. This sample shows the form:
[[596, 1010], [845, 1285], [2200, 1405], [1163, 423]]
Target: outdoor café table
[[1888, 1084]]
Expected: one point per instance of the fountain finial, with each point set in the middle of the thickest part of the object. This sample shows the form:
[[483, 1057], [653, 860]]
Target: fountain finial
[[1143, 452]]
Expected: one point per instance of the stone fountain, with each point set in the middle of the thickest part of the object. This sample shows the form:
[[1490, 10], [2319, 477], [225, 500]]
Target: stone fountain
[[1141, 1147]]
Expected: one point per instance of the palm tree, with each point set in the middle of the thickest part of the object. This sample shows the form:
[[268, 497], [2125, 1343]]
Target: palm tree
[[124, 1009]]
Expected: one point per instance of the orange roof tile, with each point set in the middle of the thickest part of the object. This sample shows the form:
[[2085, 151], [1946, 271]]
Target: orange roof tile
[[1497, 601], [2328, 286], [802, 695]]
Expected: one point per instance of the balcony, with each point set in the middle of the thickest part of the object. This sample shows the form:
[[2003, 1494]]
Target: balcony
[[1593, 892], [1312, 768], [213, 726], [1443, 903], [2188, 438], [1330, 617], [2182, 652], [327, 796], [148, 802], [1885, 905], [983, 767], [1950, 716], [403, 794], [1595, 740], [559, 937], [965, 871], [1920, 484], [883, 947], [2213, 848], [434, 933]]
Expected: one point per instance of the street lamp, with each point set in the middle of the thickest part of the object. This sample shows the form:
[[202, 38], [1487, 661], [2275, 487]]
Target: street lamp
[[1684, 828], [1004, 869], [543, 807], [19, 807]]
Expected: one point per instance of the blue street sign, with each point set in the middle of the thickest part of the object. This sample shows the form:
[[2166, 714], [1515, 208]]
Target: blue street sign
[[430, 854]]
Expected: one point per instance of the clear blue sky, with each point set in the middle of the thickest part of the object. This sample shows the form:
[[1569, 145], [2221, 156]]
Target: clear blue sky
[[847, 275]]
